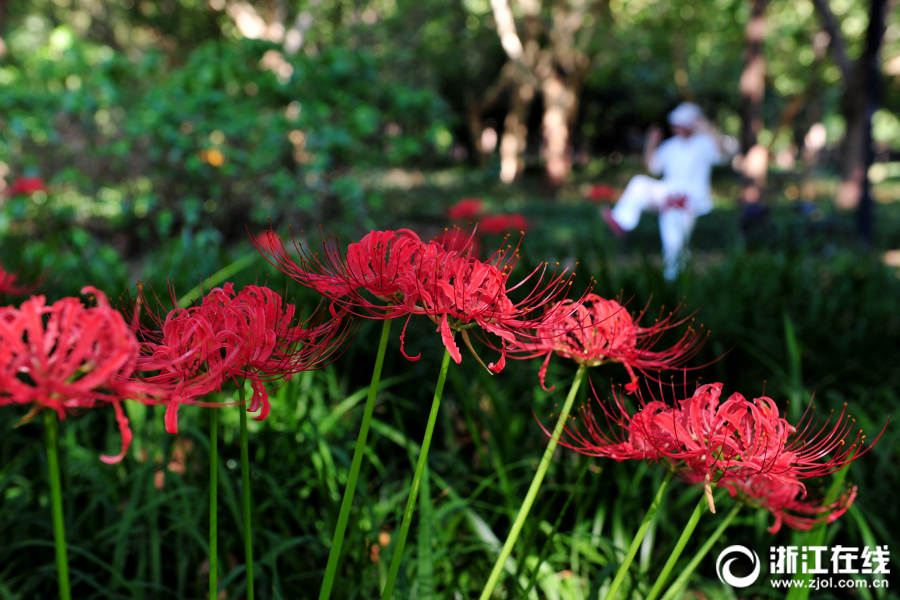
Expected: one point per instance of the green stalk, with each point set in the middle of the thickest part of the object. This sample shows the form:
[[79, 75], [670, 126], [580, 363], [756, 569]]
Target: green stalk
[[679, 547], [533, 490], [245, 494], [816, 536], [417, 480], [638, 538], [155, 551], [155, 541], [217, 278], [213, 500], [338, 539], [689, 570], [59, 528]]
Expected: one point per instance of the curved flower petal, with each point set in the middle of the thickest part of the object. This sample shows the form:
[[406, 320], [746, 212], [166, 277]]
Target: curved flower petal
[[126, 435], [449, 343]]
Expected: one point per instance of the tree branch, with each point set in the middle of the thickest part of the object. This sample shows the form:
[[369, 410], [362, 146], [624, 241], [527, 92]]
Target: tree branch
[[833, 28], [506, 29]]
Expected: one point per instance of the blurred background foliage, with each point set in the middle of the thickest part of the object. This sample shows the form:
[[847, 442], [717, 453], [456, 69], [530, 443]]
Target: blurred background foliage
[[165, 131], [151, 117]]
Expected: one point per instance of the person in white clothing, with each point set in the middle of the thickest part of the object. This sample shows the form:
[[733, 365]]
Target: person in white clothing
[[685, 162]]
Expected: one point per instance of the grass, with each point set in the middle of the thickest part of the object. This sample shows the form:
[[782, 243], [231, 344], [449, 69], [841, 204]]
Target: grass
[[793, 309]]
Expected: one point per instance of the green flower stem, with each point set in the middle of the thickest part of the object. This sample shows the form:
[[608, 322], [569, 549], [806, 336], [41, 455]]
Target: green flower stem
[[59, 528], [816, 536], [245, 494], [533, 490], [337, 541], [417, 480], [679, 547], [689, 570], [213, 499], [218, 277], [155, 541], [155, 551], [638, 538]]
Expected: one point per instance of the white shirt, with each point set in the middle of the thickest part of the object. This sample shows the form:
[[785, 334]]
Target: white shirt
[[685, 164]]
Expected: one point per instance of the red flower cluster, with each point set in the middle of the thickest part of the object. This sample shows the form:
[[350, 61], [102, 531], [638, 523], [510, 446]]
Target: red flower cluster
[[27, 186], [66, 357], [466, 209], [744, 446], [248, 335], [596, 331], [500, 224], [600, 192], [390, 274], [469, 209]]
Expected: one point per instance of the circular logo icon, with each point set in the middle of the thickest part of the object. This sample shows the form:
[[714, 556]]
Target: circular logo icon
[[723, 566]]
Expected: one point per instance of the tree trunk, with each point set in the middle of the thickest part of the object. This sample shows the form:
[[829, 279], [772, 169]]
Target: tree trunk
[[753, 86], [874, 36], [515, 132], [561, 68], [854, 147], [557, 70], [476, 129], [559, 105], [856, 103]]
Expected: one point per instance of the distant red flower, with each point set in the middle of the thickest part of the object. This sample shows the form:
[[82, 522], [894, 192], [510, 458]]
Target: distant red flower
[[600, 192], [27, 186], [598, 331], [500, 224], [466, 209], [66, 357], [8, 284], [266, 241]]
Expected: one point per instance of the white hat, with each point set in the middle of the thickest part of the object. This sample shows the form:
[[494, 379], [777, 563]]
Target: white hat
[[685, 115]]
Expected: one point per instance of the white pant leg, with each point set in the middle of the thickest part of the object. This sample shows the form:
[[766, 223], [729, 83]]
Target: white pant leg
[[642, 193], [675, 226]]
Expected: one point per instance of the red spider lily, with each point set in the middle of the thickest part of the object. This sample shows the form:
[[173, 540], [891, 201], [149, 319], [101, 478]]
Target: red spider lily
[[234, 336], [778, 497], [734, 443], [27, 186], [600, 192], [66, 357], [187, 355], [8, 284], [271, 345], [374, 265], [457, 240], [597, 331], [500, 224], [458, 292], [406, 276], [466, 209]]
